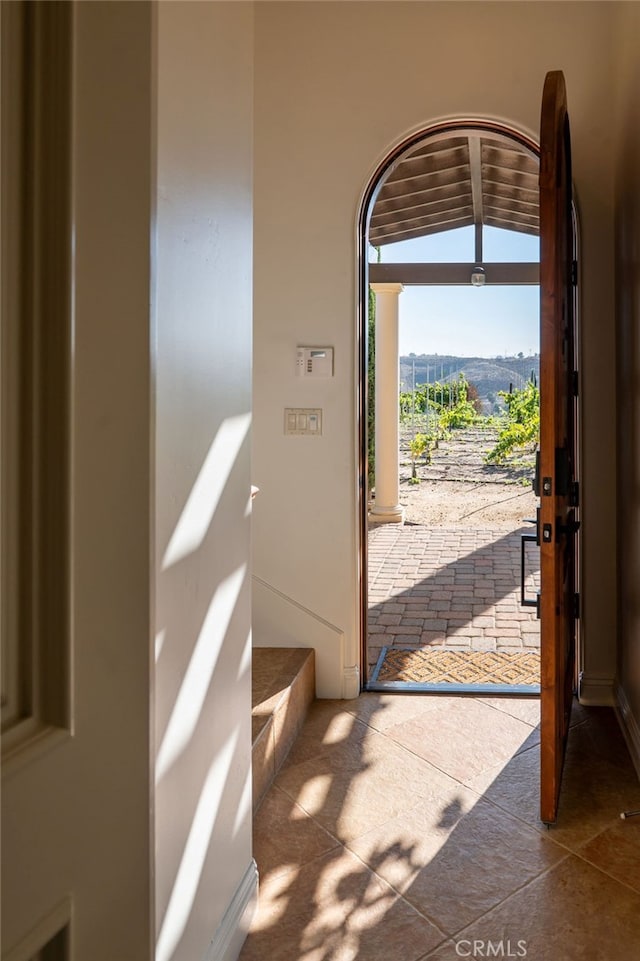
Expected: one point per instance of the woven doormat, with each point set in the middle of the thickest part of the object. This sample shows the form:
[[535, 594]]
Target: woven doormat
[[458, 667]]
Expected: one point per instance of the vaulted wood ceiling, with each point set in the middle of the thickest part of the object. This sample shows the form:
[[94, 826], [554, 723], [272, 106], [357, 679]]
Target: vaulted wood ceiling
[[460, 181]]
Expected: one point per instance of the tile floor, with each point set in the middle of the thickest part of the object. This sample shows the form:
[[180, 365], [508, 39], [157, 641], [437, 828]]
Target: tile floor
[[405, 828], [457, 589]]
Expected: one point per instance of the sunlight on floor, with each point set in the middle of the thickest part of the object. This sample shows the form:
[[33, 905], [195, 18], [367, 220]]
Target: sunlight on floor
[[417, 829]]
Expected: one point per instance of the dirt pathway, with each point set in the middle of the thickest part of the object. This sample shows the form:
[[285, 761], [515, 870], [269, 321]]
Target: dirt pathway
[[459, 489]]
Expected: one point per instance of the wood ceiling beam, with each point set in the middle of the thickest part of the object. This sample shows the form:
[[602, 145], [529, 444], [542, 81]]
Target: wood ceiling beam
[[529, 208], [516, 221], [511, 180], [385, 235], [509, 160], [428, 181], [419, 211], [451, 194], [439, 144], [475, 165], [415, 167], [449, 275], [413, 217]]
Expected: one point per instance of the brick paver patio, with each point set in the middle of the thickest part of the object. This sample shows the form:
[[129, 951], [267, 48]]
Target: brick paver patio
[[458, 589]]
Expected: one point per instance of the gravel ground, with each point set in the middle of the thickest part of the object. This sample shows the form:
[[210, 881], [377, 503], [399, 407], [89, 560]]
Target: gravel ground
[[455, 504]]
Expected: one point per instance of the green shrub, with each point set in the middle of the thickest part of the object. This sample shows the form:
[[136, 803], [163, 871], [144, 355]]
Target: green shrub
[[522, 425]]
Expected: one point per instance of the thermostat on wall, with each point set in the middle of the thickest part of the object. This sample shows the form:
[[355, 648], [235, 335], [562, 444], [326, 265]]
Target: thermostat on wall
[[314, 361]]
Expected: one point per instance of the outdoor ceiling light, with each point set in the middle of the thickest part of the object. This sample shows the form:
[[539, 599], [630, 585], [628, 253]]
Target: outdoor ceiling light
[[478, 277]]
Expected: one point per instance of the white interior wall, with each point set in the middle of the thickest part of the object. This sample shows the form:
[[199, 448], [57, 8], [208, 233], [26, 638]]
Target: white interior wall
[[205, 877], [336, 86]]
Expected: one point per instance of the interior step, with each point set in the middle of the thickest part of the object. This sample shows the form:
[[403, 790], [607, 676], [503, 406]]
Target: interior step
[[283, 687]]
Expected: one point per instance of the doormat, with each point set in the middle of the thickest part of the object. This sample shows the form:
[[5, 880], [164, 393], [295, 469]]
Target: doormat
[[460, 668]]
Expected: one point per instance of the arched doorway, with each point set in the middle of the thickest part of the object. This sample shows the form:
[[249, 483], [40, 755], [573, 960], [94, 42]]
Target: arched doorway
[[471, 174]]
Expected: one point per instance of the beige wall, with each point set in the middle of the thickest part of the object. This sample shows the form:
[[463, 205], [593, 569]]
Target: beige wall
[[205, 876], [627, 247], [337, 85]]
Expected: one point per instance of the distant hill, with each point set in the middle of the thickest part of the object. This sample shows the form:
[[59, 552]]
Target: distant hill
[[488, 374]]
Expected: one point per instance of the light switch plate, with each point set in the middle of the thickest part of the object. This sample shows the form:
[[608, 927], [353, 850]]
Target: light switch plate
[[305, 421]]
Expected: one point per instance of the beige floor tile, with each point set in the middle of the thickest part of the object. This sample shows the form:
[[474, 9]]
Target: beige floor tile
[[515, 776], [579, 712], [594, 791], [383, 711], [617, 851], [465, 738], [356, 787], [597, 733], [329, 725], [430, 851], [525, 709], [285, 837], [572, 913], [455, 857], [336, 908], [345, 751]]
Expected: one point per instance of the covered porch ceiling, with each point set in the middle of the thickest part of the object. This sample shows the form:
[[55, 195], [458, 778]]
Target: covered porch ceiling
[[468, 179]]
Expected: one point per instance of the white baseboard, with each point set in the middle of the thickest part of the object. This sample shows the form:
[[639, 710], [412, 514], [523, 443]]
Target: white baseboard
[[596, 690], [234, 927], [351, 682], [629, 724]]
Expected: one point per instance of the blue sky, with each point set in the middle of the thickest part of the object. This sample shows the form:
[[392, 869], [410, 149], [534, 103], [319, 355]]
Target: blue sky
[[467, 321]]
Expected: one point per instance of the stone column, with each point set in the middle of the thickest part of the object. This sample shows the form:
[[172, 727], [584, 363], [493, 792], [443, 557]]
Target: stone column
[[387, 487]]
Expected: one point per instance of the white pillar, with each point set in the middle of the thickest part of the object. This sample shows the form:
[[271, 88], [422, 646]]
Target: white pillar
[[387, 487]]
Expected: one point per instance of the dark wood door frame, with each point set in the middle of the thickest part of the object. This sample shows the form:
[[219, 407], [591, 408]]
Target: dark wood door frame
[[558, 520]]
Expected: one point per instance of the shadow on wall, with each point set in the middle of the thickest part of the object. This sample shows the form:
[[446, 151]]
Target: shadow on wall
[[203, 652]]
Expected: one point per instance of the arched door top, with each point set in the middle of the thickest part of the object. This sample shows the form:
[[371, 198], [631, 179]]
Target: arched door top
[[454, 174]]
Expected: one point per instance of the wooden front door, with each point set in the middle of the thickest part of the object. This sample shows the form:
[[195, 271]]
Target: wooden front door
[[557, 465]]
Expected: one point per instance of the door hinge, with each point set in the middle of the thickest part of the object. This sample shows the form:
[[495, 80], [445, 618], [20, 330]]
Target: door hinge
[[575, 385], [574, 494], [576, 606], [574, 273]]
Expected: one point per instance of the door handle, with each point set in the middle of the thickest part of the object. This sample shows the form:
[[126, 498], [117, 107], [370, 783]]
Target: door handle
[[524, 600]]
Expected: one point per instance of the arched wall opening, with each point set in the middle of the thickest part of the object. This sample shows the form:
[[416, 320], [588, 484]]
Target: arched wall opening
[[500, 138]]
